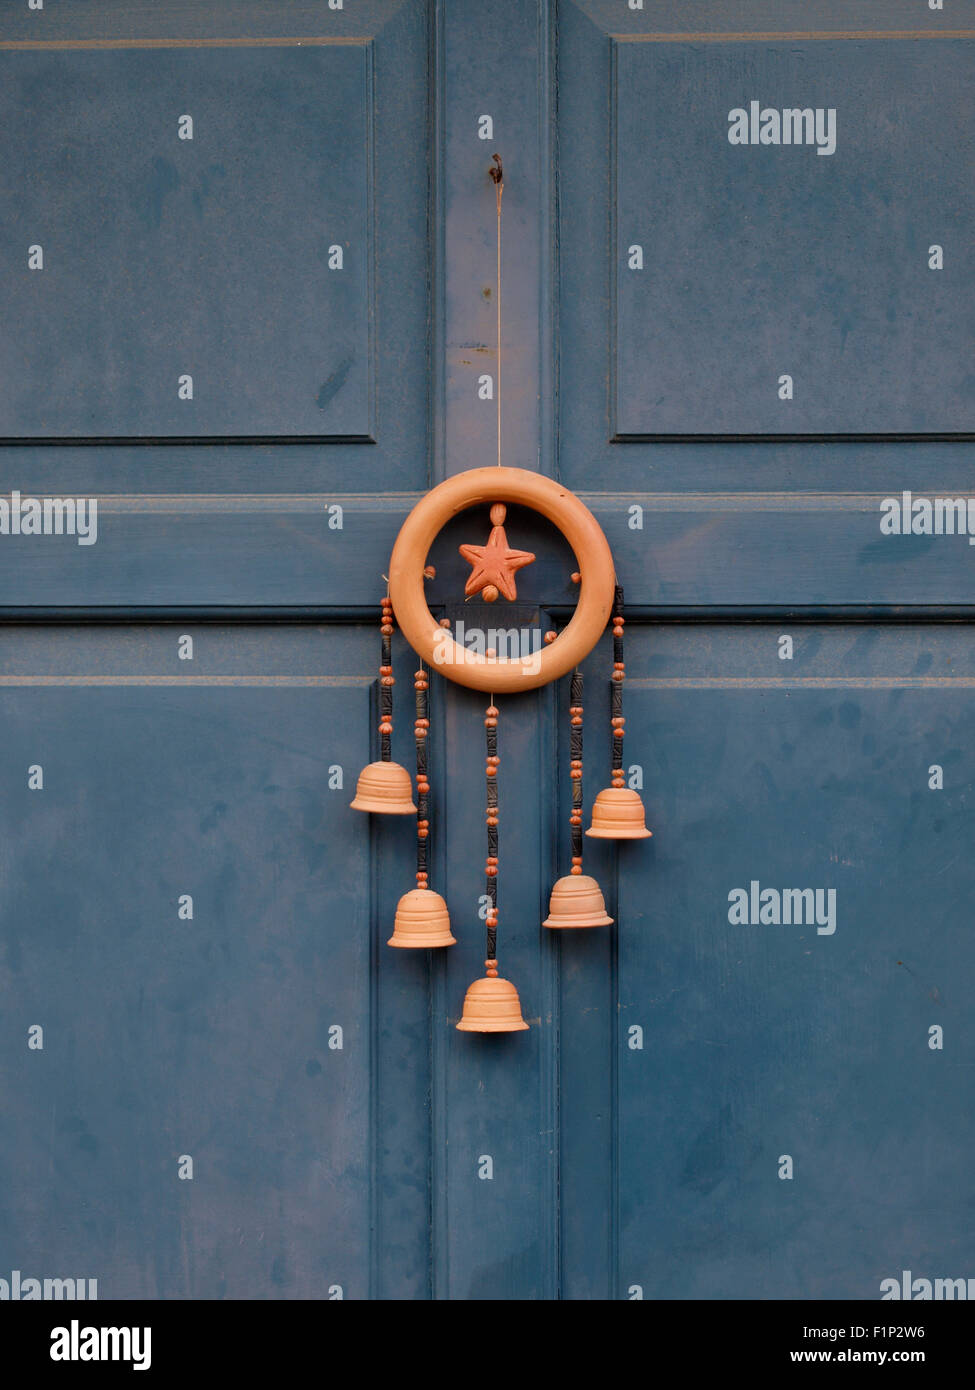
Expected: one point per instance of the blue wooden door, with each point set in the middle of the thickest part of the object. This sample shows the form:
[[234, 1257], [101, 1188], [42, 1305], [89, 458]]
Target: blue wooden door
[[248, 261]]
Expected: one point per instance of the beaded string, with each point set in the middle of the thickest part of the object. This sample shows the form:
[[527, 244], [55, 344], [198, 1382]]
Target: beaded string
[[575, 753], [386, 681], [421, 685], [491, 866], [619, 675]]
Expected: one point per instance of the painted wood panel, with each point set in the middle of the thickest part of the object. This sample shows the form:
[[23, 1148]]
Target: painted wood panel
[[190, 915], [791, 247], [615, 1171], [213, 257], [156, 223], [794, 1109]]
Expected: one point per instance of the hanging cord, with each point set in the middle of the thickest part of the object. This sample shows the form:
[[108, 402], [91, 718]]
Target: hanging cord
[[497, 174], [575, 754], [619, 675], [491, 866], [421, 685], [386, 681]]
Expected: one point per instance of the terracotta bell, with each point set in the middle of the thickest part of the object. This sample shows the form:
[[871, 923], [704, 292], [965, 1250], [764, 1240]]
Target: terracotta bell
[[618, 814], [491, 1005], [577, 901], [386, 788], [421, 920]]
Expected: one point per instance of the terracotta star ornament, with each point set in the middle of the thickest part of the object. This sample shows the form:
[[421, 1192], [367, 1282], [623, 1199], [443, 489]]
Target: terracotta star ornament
[[494, 566]]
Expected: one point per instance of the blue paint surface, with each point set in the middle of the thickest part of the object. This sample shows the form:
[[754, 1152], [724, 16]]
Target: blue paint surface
[[811, 259], [206, 256], [618, 1171]]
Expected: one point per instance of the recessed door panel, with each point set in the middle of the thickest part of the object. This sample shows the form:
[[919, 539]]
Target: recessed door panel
[[188, 240], [188, 915], [795, 961], [792, 244]]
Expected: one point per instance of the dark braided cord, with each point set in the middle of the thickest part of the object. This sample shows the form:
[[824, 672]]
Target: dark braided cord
[[491, 867], [575, 755], [420, 730], [386, 683], [619, 675]]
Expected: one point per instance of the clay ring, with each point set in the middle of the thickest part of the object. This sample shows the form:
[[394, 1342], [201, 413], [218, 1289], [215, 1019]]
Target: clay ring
[[436, 645]]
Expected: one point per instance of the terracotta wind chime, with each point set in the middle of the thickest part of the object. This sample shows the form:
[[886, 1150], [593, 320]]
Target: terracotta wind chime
[[492, 1004], [385, 786], [577, 899], [421, 918], [617, 813]]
